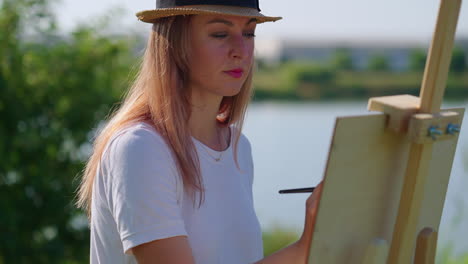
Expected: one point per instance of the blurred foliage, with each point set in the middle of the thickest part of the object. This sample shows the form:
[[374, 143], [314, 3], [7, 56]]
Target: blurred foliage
[[277, 238], [417, 60], [293, 81], [458, 63], [378, 62], [297, 73], [342, 60], [308, 80], [53, 90], [445, 255]]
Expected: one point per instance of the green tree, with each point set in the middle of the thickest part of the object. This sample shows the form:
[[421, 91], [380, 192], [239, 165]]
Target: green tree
[[417, 60], [277, 238], [307, 73], [458, 62], [342, 60], [53, 90], [378, 62]]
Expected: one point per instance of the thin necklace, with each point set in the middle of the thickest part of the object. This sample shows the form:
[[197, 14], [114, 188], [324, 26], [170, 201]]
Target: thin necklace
[[217, 159], [207, 150]]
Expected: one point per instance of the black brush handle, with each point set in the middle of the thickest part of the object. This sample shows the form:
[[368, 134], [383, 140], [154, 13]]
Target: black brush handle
[[300, 190]]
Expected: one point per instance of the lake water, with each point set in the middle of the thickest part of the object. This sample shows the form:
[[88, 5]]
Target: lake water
[[290, 146]]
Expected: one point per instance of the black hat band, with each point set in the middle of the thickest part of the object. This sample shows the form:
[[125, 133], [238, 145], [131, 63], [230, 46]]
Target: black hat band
[[177, 3]]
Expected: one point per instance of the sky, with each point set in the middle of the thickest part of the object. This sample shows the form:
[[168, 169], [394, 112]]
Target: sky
[[399, 20]]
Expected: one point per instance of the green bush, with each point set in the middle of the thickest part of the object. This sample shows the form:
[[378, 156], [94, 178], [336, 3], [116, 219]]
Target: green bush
[[308, 73], [378, 62], [53, 90], [458, 62], [445, 256], [417, 60], [342, 60], [277, 238]]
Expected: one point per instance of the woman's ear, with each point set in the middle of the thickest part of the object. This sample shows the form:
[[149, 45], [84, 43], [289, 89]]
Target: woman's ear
[[224, 112]]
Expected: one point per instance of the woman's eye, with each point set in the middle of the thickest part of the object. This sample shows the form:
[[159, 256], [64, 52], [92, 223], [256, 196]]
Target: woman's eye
[[224, 35], [249, 35]]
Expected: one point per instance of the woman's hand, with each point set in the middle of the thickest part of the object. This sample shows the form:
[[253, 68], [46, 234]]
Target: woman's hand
[[311, 212], [298, 252]]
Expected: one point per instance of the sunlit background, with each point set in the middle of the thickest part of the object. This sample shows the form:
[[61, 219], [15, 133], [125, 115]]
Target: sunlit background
[[65, 64]]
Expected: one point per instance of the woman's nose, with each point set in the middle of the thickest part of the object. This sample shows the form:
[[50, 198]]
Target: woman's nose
[[239, 47]]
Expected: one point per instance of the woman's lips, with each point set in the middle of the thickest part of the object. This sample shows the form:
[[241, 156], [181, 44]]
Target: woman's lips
[[236, 73]]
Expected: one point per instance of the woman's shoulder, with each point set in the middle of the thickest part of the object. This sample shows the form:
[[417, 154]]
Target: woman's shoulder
[[138, 128], [138, 132], [243, 142], [136, 139]]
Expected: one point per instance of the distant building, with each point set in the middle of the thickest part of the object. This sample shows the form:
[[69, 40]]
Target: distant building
[[396, 52]]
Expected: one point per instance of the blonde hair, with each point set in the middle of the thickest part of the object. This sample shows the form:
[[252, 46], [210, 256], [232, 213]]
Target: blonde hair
[[160, 97]]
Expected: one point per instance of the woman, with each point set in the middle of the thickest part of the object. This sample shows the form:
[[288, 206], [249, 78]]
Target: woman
[[170, 178]]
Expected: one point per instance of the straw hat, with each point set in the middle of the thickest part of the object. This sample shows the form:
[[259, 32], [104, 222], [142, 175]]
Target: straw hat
[[165, 8]]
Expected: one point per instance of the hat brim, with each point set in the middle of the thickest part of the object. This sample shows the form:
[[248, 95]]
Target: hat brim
[[150, 16]]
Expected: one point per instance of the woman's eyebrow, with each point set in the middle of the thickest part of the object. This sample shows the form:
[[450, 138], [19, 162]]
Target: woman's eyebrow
[[227, 22]]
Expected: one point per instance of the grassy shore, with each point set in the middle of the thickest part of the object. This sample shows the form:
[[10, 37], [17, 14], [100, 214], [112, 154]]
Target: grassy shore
[[302, 82]]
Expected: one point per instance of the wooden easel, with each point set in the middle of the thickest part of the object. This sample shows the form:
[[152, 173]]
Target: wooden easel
[[387, 174]]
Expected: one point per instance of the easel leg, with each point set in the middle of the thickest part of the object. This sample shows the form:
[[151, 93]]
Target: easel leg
[[426, 246]]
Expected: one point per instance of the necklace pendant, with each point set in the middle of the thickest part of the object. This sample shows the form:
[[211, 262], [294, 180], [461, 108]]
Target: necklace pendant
[[217, 159]]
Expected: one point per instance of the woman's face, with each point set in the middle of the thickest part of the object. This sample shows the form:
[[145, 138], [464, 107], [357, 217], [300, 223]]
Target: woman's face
[[221, 53]]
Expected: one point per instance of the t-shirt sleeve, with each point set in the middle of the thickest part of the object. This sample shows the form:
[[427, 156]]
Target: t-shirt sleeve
[[143, 188]]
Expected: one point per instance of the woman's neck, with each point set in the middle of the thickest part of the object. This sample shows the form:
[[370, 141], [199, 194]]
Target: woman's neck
[[203, 124]]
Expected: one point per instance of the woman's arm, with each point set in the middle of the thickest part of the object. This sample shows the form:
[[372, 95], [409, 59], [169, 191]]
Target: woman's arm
[[176, 250], [298, 252], [294, 253], [173, 250]]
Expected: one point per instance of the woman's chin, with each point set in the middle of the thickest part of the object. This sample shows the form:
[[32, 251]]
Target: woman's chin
[[231, 92]]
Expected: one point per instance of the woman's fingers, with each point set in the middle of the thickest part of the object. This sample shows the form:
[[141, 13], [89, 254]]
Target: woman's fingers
[[312, 201], [311, 210]]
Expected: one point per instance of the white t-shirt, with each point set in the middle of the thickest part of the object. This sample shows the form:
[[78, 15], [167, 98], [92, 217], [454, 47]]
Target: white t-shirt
[[138, 197]]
